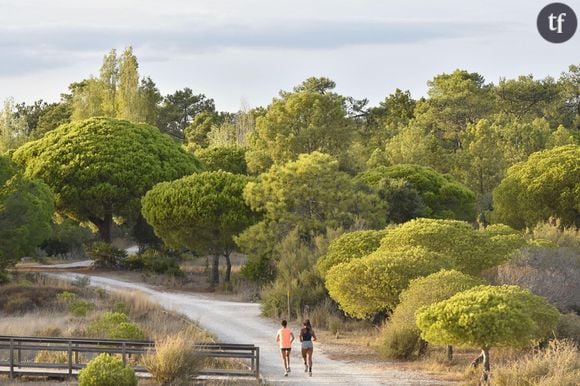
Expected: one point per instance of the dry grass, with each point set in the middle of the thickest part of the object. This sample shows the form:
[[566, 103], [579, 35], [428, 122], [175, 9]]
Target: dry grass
[[174, 360], [558, 365]]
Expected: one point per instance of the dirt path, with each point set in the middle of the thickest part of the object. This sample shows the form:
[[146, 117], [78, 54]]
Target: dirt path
[[241, 323]]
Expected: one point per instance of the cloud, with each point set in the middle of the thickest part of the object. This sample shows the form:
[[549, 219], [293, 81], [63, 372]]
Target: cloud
[[32, 48]]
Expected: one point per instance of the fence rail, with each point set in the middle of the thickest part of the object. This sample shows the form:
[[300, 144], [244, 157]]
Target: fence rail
[[21, 349]]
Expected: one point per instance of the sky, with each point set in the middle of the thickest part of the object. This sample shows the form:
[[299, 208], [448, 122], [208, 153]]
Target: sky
[[245, 51]]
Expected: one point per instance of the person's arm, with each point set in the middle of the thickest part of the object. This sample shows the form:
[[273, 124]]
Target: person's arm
[[300, 336], [291, 337], [313, 334], [278, 337]]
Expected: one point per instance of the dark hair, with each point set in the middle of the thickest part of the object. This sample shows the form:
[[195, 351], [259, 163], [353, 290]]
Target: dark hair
[[306, 323], [284, 323]]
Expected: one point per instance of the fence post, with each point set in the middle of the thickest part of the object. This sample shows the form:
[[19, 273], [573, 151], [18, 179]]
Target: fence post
[[11, 358], [69, 359], [19, 355], [124, 355], [258, 363]]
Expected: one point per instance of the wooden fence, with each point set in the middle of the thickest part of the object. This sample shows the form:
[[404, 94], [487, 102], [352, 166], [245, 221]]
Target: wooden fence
[[18, 354]]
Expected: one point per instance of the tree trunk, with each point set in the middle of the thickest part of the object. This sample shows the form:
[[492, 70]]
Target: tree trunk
[[486, 368], [423, 345], [215, 270], [228, 268], [477, 361], [105, 224], [449, 353]]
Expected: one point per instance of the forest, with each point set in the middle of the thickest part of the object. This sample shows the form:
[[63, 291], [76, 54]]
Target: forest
[[450, 218]]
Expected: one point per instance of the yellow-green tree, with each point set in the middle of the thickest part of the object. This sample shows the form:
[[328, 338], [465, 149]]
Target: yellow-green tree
[[544, 186], [363, 287], [101, 167], [487, 317]]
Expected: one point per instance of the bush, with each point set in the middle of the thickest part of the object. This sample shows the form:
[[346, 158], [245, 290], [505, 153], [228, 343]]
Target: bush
[[569, 328], [400, 342], [106, 255], [155, 261], [174, 360], [105, 370], [557, 365], [80, 307], [45, 356], [116, 325]]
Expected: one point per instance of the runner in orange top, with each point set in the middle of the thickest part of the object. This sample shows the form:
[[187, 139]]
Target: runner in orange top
[[285, 337]]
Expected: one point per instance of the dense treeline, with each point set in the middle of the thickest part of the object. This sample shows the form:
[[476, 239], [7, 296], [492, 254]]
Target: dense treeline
[[329, 197]]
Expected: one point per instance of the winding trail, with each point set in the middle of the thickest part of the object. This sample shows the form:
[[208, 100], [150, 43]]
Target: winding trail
[[236, 322]]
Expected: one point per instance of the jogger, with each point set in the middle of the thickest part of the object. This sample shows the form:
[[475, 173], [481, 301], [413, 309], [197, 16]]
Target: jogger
[[307, 336], [285, 337]]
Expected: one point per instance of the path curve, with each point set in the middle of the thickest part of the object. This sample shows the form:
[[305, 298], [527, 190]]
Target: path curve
[[236, 322]]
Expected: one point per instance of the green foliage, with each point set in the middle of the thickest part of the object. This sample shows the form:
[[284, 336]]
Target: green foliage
[[488, 316], [115, 325], [553, 231], [227, 158], [296, 277], [441, 196], [66, 296], [470, 251], [349, 246], [312, 194], [430, 289], [545, 185], [106, 370], [569, 327], [80, 307], [107, 256], [155, 261], [304, 121], [400, 342], [100, 167], [26, 208], [373, 284], [179, 109]]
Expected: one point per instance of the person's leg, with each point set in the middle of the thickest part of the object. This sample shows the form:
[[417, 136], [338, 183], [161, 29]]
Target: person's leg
[[288, 359], [309, 353], [304, 351], [283, 352]]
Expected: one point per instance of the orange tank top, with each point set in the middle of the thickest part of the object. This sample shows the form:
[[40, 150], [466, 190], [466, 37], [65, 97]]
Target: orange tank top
[[285, 337]]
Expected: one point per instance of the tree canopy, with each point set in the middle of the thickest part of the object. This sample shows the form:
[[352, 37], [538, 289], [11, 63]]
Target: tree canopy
[[544, 186], [101, 167], [471, 251], [26, 208], [349, 246], [363, 287], [441, 195], [228, 158], [202, 212]]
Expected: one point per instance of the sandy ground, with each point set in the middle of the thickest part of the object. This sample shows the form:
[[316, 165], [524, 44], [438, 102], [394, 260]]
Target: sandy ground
[[237, 322]]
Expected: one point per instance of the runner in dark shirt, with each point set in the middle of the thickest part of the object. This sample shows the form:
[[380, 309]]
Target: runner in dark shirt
[[307, 336]]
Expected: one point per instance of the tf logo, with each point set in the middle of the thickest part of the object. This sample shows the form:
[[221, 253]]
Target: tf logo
[[557, 22]]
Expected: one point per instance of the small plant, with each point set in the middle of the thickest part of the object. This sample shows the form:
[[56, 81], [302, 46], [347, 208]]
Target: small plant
[[106, 370], [81, 281], [107, 256], [174, 360], [400, 342], [45, 356], [80, 307], [116, 325], [66, 296]]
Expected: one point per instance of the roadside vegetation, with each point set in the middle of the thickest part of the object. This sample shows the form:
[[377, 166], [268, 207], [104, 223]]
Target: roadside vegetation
[[443, 227]]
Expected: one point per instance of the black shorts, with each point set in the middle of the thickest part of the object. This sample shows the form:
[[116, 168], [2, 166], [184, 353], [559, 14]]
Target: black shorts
[[285, 350]]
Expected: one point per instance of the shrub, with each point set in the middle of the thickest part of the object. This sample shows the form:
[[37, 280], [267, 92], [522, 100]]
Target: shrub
[[155, 261], [45, 356], [400, 342], [106, 255], [553, 231], [66, 296], [80, 307], [569, 328], [558, 365], [106, 370], [116, 325], [174, 360]]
